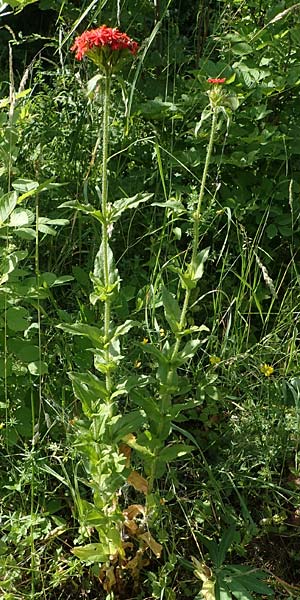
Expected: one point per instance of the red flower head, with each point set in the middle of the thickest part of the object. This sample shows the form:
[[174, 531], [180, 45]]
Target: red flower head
[[216, 80], [105, 46]]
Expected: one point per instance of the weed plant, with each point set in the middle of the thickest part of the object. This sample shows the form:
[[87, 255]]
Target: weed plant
[[150, 394]]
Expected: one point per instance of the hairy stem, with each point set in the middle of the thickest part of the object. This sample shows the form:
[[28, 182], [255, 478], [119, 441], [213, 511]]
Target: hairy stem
[[105, 139], [166, 396]]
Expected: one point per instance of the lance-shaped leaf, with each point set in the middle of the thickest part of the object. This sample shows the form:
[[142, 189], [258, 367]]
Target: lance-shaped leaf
[[92, 333], [104, 289], [172, 310], [89, 390], [188, 351], [119, 206], [195, 271], [7, 205], [88, 209]]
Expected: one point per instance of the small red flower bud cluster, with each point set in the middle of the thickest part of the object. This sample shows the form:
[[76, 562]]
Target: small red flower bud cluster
[[216, 80], [103, 36]]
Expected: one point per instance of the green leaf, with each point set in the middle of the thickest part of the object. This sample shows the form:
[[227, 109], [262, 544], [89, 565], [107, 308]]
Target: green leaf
[[124, 328], [175, 451], [92, 333], [17, 318], [224, 545], [20, 4], [198, 266], [24, 185], [21, 217], [7, 205], [210, 545], [172, 309], [123, 204], [89, 390], [46, 185], [37, 367], [125, 424], [104, 289], [188, 351], [92, 553], [222, 591], [253, 580]]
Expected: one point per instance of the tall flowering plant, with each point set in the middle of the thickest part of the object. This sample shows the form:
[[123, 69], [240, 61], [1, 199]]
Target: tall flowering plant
[[106, 436], [99, 436]]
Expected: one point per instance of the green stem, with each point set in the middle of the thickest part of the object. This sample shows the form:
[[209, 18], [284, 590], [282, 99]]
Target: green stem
[[197, 213], [165, 398], [105, 139]]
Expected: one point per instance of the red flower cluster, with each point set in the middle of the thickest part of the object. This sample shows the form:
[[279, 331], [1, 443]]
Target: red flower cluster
[[216, 80], [103, 37]]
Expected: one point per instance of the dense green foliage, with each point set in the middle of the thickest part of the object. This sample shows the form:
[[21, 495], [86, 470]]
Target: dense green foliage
[[193, 468]]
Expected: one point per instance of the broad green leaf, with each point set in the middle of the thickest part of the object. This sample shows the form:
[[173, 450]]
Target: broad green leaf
[[23, 349], [17, 318], [24, 185], [10, 262], [126, 424], [210, 545], [89, 390], [37, 367], [7, 205], [251, 579], [175, 451], [92, 553], [92, 333], [221, 590], [172, 309], [188, 351], [21, 217], [125, 327], [123, 204], [46, 185]]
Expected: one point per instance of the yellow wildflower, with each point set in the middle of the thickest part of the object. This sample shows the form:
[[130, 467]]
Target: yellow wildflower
[[266, 369], [137, 364], [161, 332], [145, 341], [214, 360]]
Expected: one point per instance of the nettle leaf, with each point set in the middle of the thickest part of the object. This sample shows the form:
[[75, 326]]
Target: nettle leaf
[[7, 205], [172, 309], [123, 204], [89, 390]]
